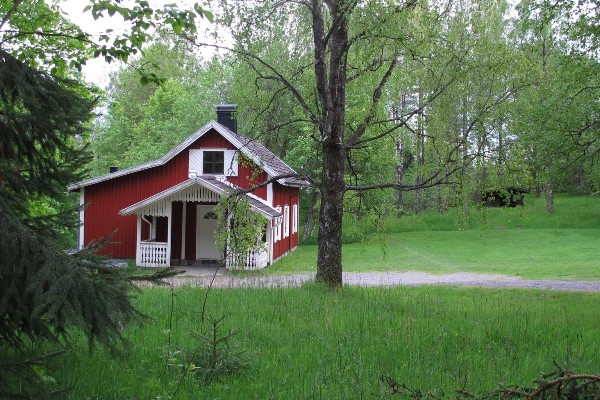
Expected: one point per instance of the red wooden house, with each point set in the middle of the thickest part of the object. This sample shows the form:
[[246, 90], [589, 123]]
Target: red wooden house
[[164, 209]]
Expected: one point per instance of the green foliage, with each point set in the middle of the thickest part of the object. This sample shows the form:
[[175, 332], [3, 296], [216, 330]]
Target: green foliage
[[45, 291], [144, 122], [45, 110], [43, 118], [141, 17], [37, 34], [313, 342], [239, 231], [216, 355]]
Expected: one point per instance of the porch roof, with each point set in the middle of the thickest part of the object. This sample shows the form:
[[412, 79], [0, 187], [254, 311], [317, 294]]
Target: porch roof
[[213, 185]]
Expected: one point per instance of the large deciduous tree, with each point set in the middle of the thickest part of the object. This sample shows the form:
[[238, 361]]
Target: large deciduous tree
[[346, 65], [337, 59]]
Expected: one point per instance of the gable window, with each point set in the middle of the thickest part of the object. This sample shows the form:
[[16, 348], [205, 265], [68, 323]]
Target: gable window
[[213, 162], [277, 227]]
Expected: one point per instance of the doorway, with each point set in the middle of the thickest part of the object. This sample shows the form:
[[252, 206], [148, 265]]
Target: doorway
[[206, 223]]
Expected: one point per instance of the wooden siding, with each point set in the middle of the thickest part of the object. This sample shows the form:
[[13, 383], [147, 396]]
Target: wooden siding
[[244, 180], [105, 200], [213, 140], [282, 196]]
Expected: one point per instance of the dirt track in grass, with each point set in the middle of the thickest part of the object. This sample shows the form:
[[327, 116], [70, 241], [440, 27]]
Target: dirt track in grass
[[204, 277]]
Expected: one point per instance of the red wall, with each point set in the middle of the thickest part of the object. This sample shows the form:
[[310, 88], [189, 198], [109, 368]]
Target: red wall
[[214, 140], [106, 199], [284, 195]]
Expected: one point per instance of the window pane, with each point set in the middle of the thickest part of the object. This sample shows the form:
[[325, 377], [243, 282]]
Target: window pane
[[213, 162]]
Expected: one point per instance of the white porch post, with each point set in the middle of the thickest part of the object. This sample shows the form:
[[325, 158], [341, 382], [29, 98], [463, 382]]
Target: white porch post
[[269, 235], [80, 229], [153, 228], [169, 231], [138, 242], [183, 228]]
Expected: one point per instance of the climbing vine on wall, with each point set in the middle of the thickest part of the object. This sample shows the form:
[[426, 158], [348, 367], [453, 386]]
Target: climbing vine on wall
[[240, 231]]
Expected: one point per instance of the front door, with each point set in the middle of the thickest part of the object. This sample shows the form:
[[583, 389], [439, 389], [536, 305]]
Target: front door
[[206, 224]]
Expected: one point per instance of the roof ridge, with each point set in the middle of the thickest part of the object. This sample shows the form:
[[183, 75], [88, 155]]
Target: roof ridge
[[252, 148]]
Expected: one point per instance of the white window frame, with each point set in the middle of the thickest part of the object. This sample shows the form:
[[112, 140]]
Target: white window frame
[[196, 162], [277, 231], [295, 218], [286, 221]]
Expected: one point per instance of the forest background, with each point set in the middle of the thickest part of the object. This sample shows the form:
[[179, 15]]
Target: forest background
[[483, 96], [414, 105]]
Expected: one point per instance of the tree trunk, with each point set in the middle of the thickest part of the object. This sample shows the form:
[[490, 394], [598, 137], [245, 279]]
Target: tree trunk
[[549, 198], [440, 200], [581, 181], [331, 87], [329, 258], [420, 155], [401, 166], [399, 174], [465, 167]]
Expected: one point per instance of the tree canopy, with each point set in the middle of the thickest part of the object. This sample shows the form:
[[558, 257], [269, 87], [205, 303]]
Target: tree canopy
[[45, 114]]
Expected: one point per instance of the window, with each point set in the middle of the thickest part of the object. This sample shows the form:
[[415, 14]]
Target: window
[[210, 215], [295, 218], [213, 162], [277, 228], [286, 221]]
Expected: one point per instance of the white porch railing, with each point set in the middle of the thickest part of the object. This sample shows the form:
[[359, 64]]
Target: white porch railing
[[153, 254], [252, 261]]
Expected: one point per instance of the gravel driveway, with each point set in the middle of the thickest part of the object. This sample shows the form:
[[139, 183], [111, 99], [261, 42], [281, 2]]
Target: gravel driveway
[[203, 277]]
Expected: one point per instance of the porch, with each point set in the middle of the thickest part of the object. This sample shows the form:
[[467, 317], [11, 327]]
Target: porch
[[177, 228], [154, 254]]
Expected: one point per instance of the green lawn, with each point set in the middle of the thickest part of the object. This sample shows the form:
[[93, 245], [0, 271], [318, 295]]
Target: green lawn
[[522, 241], [316, 343]]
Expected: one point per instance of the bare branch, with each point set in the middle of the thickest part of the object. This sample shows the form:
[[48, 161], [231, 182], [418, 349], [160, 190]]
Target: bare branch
[[374, 102], [276, 178], [278, 76], [81, 37]]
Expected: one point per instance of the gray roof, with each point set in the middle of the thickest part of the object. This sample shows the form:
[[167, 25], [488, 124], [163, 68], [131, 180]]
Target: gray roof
[[255, 202], [212, 183], [258, 153], [270, 160]]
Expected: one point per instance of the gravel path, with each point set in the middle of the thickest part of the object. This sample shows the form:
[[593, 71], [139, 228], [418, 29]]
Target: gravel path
[[203, 277]]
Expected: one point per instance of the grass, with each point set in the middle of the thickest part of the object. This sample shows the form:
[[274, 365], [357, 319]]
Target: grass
[[316, 343], [522, 241]]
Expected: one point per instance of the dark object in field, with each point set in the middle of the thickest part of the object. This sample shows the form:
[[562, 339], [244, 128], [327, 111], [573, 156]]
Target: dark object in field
[[507, 197]]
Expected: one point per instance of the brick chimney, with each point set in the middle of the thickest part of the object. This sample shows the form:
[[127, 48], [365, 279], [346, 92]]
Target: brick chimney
[[226, 115]]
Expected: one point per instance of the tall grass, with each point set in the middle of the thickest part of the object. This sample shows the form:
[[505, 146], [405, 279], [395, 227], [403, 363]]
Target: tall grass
[[316, 343], [522, 241], [571, 212]]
